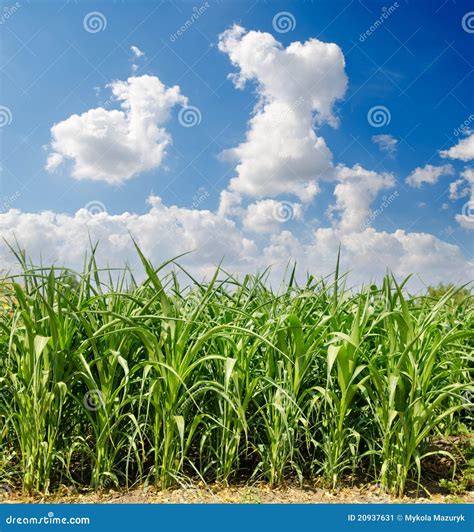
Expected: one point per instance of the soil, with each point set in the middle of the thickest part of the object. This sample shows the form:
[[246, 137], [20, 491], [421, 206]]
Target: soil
[[256, 494]]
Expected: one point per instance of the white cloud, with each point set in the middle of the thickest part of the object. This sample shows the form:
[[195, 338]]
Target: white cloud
[[468, 175], [281, 153], [356, 190], [385, 142], [466, 221], [136, 51], [466, 218], [463, 150], [164, 232], [230, 204], [116, 145], [464, 186], [428, 174], [457, 189], [368, 255], [267, 216]]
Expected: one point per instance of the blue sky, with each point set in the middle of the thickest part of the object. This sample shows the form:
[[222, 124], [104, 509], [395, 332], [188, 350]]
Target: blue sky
[[417, 64]]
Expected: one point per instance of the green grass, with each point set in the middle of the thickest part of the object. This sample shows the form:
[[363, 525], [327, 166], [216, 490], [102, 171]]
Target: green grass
[[106, 381]]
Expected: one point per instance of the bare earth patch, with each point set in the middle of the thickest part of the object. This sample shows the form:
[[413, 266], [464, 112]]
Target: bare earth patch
[[257, 494]]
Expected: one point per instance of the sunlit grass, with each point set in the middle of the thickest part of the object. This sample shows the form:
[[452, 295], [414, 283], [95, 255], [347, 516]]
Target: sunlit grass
[[106, 381]]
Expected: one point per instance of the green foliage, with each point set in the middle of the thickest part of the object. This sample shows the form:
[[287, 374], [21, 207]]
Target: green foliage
[[456, 295], [109, 382]]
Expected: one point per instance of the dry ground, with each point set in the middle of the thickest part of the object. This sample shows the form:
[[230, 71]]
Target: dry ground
[[257, 494]]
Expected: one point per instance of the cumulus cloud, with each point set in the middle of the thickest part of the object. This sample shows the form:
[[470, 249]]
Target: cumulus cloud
[[267, 216], [136, 51], [455, 191], [463, 150], [369, 253], [295, 85], [385, 142], [468, 175], [428, 174], [461, 188], [297, 88], [116, 145], [357, 188], [164, 232], [466, 219]]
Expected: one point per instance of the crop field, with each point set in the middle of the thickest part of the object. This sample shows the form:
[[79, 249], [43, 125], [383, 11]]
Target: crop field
[[109, 382]]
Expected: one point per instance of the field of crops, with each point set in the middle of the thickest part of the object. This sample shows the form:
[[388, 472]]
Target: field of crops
[[110, 382]]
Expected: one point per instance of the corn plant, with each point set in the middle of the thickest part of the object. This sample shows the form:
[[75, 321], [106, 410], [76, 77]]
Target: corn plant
[[109, 380]]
